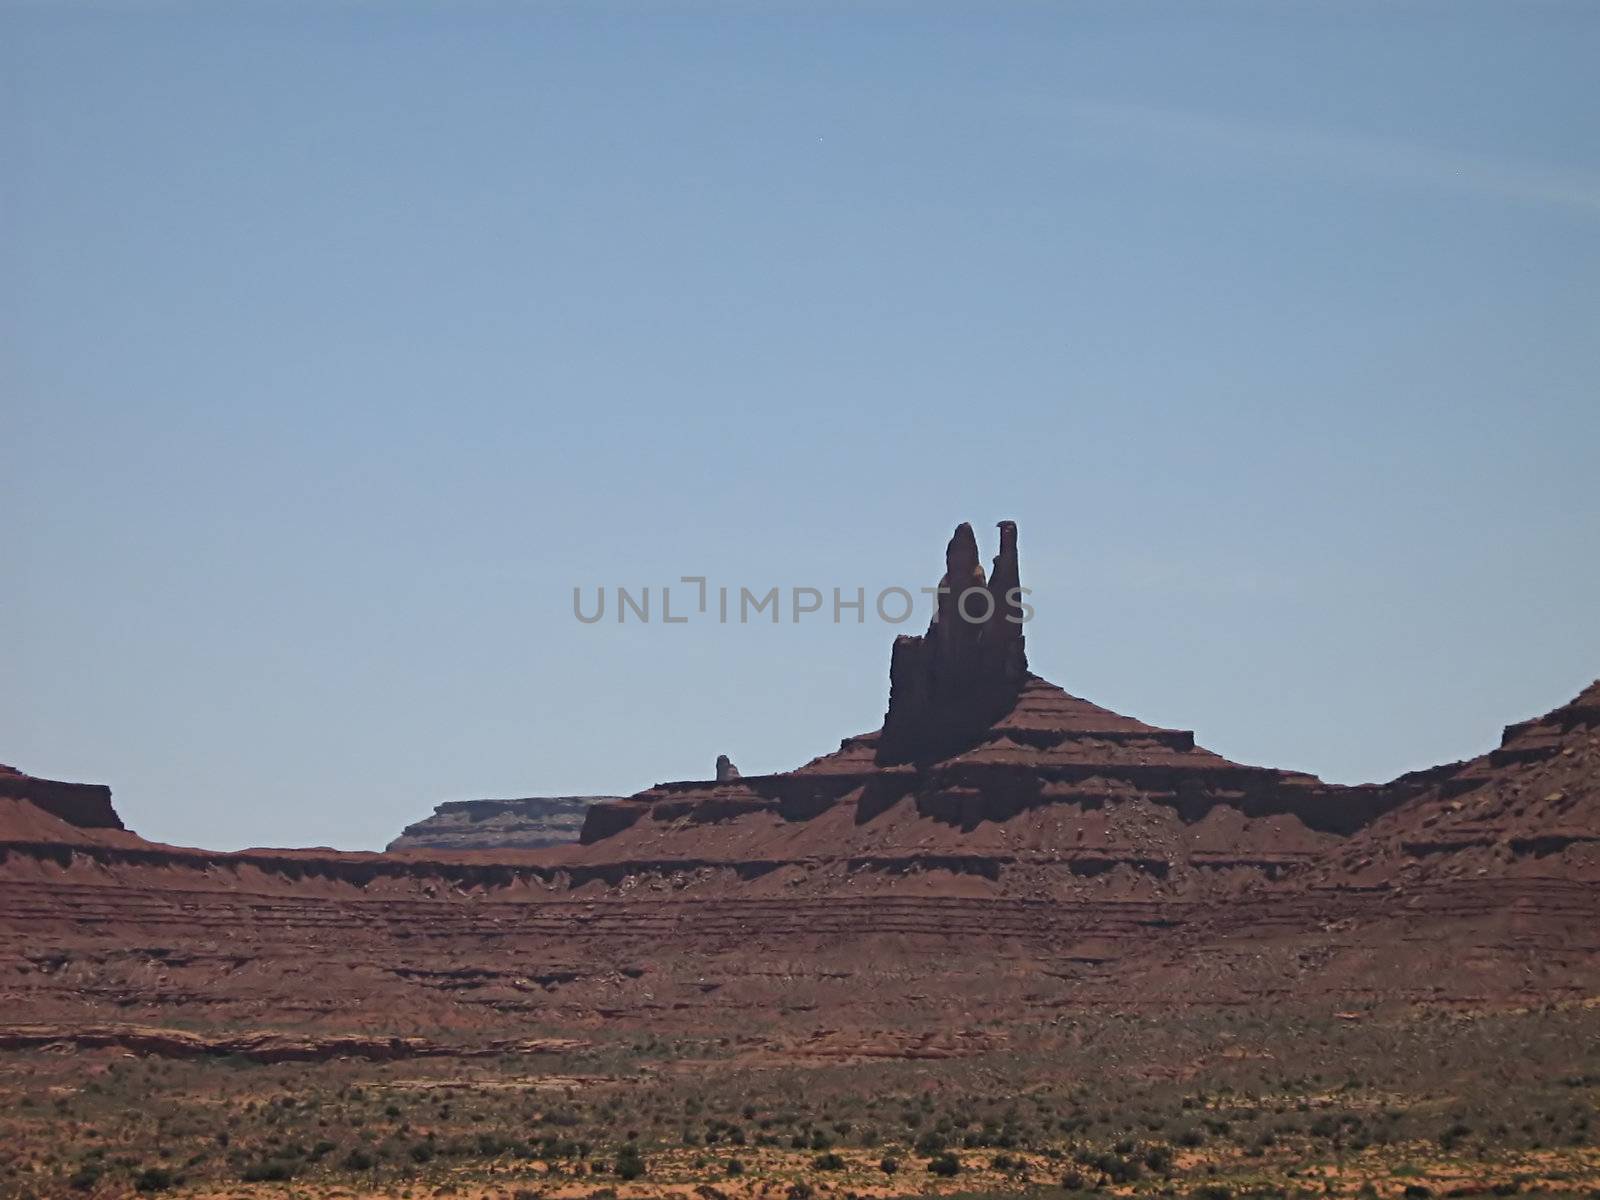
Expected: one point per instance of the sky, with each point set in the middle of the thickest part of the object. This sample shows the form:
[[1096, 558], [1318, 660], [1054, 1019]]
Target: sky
[[341, 342]]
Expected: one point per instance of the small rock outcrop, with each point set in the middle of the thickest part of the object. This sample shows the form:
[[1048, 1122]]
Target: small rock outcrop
[[726, 771], [531, 823]]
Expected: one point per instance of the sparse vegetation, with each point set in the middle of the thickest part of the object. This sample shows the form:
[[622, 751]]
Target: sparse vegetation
[[1296, 1107]]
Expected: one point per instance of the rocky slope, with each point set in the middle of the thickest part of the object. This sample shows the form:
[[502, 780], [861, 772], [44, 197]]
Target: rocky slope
[[1528, 809], [527, 824]]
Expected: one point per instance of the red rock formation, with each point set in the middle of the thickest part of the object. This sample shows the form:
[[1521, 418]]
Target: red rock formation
[[971, 736], [1057, 855], [952, 683], [1530, 807], [84, 804]]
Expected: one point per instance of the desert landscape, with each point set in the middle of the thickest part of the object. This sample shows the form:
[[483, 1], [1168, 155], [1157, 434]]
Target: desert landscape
[[1010, 943]]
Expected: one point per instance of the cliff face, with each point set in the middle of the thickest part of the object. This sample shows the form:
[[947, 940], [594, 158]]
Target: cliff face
[[531, 823], [86, 805]]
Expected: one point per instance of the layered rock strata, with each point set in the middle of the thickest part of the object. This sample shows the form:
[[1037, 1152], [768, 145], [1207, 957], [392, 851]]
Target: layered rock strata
[[531, 823], [1014, 854]]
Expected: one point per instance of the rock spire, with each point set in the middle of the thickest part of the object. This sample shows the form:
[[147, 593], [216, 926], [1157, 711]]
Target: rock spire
[[949, 685]]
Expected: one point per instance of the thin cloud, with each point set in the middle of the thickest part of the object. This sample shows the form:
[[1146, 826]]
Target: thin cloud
[[1344, 157]]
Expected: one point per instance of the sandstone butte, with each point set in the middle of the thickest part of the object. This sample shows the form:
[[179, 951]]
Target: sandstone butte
[[999, 853]]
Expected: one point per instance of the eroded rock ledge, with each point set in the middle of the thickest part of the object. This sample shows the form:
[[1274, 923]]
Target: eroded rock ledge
[[530, 823]]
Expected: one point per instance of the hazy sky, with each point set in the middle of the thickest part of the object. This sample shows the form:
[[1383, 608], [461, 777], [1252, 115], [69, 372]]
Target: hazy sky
[[340, 341]]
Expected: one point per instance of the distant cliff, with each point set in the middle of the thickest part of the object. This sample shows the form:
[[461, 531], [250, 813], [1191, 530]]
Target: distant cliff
[[87, 805], [525, 824]]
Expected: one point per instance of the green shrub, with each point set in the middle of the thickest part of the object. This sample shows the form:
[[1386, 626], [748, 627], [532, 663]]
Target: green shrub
[[271, 1170], [85, 1177], [1158, 1158], [945, 1164], [360, 1159], [153, 1179], [630, 1163]]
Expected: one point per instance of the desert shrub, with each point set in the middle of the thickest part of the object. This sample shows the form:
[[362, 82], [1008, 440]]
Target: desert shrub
[[360, 1159], [828, 1162], [888, 1165], [270, 1170], [945, 1164], [153, 1179], [800, 1190], [85, 1177], [492, 1145], [930, 1143], [630, 1163], [734, 1167], [1115, 1167]]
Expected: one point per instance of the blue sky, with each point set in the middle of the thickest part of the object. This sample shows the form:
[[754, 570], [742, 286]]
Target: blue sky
[[339, 342]]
